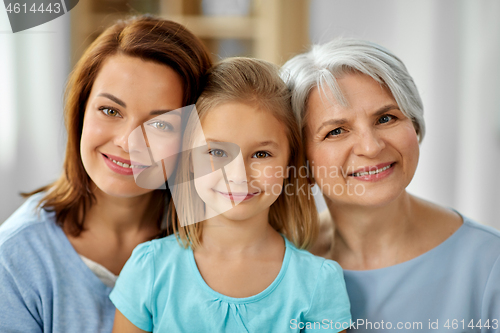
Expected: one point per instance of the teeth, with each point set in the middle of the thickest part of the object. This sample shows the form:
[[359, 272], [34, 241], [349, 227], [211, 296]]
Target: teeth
[[125, 165], [359, 174]]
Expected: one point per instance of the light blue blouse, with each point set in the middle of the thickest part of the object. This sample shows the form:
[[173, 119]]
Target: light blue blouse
[[454, 287], [160, 289], [44, 285]]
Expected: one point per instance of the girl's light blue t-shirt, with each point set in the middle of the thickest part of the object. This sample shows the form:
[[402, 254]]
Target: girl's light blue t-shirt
[[160, 289]]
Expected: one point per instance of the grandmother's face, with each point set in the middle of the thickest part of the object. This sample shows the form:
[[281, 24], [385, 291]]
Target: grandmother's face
[[364, 153]]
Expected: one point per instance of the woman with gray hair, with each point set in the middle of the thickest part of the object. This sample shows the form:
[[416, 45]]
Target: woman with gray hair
[[409, 264]]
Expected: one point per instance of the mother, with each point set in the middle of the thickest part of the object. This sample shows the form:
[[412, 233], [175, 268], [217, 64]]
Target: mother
[[409, 264], [61, 251]]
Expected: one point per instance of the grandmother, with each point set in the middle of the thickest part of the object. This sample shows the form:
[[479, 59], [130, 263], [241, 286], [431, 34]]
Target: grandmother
[[409, 264]]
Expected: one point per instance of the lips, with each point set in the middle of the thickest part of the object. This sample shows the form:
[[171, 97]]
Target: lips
[[372, 170], [122, 166], [124, 162], [373, 173], [237, 196]]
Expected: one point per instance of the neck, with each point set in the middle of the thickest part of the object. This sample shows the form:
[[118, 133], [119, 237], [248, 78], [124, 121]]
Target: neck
[[222, 234], [119, 215], [368, 237], [113, 228]]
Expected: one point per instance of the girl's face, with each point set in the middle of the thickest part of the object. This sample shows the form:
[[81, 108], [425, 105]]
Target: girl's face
[[365, 153], [249, 151], [130, 94]]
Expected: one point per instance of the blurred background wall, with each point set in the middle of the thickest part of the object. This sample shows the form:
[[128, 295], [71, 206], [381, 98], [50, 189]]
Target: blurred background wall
[[34, 65], [450, 47]]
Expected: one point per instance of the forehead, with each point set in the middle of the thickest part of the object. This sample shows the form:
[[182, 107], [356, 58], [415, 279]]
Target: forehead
[[133, 77], [361, 94], [243, 124]]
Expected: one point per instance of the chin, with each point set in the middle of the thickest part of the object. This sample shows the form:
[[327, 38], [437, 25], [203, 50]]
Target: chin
[[378, 198], [122, 190], [371, 197], [236, 214]]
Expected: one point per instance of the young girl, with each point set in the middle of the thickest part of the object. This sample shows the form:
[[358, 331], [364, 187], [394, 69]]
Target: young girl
[[241, 269]]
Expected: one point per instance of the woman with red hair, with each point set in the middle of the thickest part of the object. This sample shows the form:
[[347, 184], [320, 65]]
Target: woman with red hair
[[61, 251]]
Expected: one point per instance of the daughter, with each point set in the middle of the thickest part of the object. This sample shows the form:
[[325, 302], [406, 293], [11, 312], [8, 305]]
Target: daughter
[[243, 267]]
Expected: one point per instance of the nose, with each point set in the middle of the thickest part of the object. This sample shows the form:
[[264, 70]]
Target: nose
[[368, 144], [236, 170], [128, 136]]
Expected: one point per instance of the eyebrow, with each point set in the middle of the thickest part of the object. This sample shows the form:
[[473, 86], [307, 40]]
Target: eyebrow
[[269, 143], [263, 143], [338, 122], [386, 108], [114, 99], [122, 104]]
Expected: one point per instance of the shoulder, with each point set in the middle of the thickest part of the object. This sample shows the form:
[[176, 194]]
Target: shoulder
[[481, 239], [482, 231], [158, 252], [147, 272], [169, 244], [322, 280], [27, 223], [473, 248], [479, 236], [312, 267]]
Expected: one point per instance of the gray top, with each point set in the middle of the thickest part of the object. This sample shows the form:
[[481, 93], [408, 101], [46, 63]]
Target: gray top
[[450, 288]]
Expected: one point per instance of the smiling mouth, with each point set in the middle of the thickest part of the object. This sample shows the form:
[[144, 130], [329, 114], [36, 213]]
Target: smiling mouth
[[372, 172], [237, 196], [126, 165]]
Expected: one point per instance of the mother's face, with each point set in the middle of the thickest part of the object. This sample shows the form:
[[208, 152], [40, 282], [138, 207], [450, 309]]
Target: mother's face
[[132, 120], [364, 153]]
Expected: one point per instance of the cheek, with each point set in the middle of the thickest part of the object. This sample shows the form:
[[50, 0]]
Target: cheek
[[206, 182], [272, 177], [93, 134], [268, 176], [408, 146], [326, 162], [168, 150]]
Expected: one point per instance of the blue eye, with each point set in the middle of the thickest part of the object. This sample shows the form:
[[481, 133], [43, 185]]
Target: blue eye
[[162, 126], [336, 132], [217, 153], [261, 154], [110, 112], [385, 119]]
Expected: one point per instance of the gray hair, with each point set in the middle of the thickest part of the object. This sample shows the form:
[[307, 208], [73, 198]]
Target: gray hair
[[324, 64]]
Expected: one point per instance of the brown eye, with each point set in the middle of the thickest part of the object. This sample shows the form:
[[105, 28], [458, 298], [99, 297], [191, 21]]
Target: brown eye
[[109, 112], [261, 154]]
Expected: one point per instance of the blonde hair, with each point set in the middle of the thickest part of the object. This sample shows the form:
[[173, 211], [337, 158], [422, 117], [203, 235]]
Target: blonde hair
[[257, 83]]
